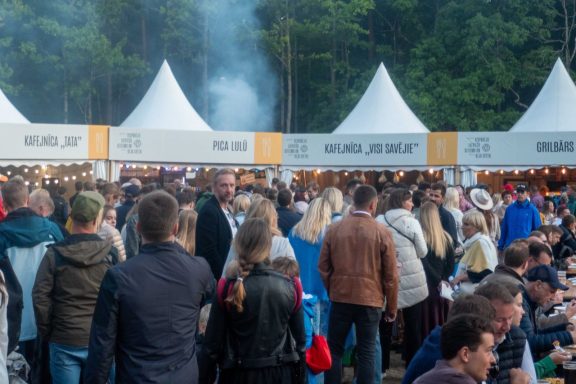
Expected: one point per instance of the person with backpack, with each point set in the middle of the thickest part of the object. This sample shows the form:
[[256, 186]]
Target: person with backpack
[[66, 288], [255, 333]]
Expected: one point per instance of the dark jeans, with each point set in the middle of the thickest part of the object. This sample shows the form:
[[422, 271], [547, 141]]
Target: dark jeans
[[366, 320], [386, 329], [412, 331]]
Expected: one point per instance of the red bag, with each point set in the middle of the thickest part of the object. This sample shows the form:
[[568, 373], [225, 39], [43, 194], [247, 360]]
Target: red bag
[[318, 355]]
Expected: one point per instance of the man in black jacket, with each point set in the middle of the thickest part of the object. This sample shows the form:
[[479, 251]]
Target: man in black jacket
[[437, 194], [216, 226], [147, 311], [287, 217]]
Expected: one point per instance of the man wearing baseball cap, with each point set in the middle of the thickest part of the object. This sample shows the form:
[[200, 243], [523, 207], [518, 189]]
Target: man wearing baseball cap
[[131, 193], [67, 285], [520, 219], [541, 286]]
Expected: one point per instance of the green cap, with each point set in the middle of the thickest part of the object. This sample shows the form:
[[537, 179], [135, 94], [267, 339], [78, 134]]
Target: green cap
[[87, 206]]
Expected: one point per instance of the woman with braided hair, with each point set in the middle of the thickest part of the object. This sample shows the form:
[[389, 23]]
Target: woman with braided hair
[[255, 333]]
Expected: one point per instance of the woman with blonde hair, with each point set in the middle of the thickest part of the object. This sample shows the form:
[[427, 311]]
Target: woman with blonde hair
[[108, 231], [186, 235], [264, 209], [480, 258], [240, 207], [306, 240], [452, 205], [255, 333], [438, 265], [335, 198]]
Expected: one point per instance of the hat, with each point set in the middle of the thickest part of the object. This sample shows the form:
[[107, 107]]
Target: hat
[[87, 206], [546, 274], [521, 188], [126, 185], [508, 187], [481, 199], [132, 190]]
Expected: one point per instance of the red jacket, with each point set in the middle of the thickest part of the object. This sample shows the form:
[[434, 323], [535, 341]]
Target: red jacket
[[2, 211]]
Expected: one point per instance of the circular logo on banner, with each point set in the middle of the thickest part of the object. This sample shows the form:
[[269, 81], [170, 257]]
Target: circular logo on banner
[[304, 148], [486, 147]]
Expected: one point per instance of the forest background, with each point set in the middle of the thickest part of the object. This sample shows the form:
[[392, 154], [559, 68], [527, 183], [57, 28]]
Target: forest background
[[283, 65]]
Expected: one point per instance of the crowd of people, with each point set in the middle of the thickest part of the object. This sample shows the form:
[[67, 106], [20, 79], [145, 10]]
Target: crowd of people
[[141, 283]]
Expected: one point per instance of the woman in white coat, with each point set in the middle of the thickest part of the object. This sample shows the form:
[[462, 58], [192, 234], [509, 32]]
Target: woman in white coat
[[410, 248]]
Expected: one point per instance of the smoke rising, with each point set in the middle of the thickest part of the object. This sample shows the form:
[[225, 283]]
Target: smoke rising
[[242, 85]]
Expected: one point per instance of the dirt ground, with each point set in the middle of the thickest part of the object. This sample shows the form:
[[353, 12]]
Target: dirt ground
[[393, 375]]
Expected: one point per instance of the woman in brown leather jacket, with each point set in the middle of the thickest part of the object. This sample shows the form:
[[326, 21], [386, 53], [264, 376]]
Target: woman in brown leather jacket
[[255, 333]]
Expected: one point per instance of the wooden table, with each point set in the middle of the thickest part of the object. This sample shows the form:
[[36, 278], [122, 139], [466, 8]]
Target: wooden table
[[571, 293]]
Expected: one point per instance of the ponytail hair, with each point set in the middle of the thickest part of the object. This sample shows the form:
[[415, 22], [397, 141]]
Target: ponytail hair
[[3, 290], [252, 244]]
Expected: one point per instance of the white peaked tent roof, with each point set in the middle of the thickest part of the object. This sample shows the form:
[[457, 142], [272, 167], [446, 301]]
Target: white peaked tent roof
[[9, 113], [165, 107], [381, 110], [554, 109]]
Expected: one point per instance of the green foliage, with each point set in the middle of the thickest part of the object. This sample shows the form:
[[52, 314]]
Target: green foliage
[[459, 64]]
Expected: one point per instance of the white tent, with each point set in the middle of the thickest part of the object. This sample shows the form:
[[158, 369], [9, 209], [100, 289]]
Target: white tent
[[554, 109], [9, 113], [165, 107], [381, 110]]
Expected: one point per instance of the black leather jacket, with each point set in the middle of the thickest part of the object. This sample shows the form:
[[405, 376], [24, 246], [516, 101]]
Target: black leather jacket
[[268, 333]]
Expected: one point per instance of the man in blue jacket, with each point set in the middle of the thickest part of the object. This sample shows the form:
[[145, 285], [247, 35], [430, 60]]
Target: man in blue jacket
[[540, 290], [147, 310], [520, 219], [430, 352], [24, 236]]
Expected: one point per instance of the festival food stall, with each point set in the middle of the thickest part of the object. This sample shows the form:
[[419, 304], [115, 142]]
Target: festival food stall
[[539, 149], [49, 154], [380, 140], [164, 138]]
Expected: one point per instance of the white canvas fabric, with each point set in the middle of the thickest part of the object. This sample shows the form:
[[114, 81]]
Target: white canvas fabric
[[553, 109], [9, 113], [165, 107], [381, 110]]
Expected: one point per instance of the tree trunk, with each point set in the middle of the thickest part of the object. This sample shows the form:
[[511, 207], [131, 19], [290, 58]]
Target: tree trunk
[[288, 76], [143, 32], [371, 35], [296, 94], [205, 91], [333, 63], [109, 92], [65, 103]]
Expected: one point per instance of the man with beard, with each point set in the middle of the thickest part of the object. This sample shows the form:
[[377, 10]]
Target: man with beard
[[216, 226], [437, 194]]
